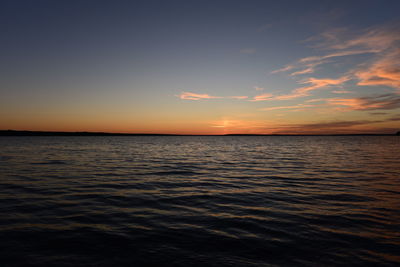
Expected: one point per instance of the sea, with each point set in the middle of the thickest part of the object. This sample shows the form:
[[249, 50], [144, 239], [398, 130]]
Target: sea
[[200, 201]]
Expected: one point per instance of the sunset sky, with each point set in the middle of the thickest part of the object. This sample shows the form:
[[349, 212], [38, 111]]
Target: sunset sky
[[200, 67]]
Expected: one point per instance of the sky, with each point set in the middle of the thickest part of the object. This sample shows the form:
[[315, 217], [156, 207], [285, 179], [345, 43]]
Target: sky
[[200, 67]]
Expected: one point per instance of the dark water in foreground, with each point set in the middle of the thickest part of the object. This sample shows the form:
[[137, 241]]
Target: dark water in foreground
[[200, 201]]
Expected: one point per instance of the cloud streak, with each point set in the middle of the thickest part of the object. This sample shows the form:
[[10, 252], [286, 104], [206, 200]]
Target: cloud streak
[[263, 97], [315, 84], [338, 127], [385, 71], [382, 68], [196, 96], [381, 102], [299, 106]]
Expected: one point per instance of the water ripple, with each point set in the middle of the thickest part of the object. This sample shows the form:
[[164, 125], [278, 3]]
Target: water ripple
[[199, 201]]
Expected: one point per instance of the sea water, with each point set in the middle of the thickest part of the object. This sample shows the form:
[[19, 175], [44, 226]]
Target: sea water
[[200, 201]]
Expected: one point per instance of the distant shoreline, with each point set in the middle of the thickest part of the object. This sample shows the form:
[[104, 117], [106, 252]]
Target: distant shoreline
[[50, 133]]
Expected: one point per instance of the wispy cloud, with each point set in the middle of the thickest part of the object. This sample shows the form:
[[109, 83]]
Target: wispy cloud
[[341, 92], [238, 97], [258, 88], [286, 68], [385, 71], [338, 54], [377, 38], [338, 127], [299, 106], [263, 97], [315, 84], [375, 102], [380, 68], [194, 96], [378, 113], [310, 68], [381, 102]]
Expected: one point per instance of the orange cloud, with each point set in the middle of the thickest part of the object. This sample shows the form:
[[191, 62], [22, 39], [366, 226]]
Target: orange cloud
[[383, 102], [383, 72]]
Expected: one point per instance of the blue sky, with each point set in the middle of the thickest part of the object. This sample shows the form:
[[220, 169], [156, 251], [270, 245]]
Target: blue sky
[[200, 66]]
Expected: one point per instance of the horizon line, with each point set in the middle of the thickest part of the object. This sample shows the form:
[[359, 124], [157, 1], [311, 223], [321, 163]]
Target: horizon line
[[88, 133]]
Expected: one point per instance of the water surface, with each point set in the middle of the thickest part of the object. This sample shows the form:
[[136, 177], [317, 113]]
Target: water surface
[[200, 201]]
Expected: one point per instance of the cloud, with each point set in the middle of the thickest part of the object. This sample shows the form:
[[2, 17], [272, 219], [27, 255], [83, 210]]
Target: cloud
[[316, 100], [341, 92], [248, 51], [338, 127], [307, 70], [338, 54], [238, 97], [308, 64], [263, 97], [194, 96], [385, 71], [381, 102], [286, 68], [258, 88], [299, 106], [315, 84], [335, 124], [381, 68], [376, 38], [378, 113]]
